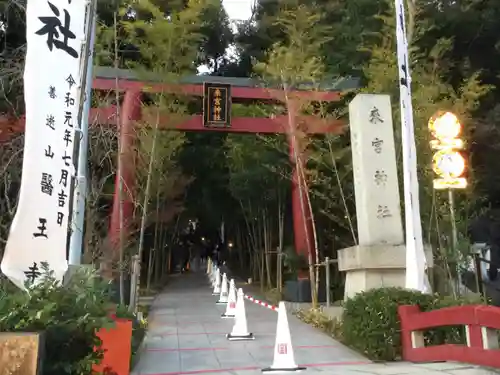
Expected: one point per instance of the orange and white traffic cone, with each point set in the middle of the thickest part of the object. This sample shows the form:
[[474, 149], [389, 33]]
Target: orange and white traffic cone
[[240, 328], [209, 267], [223, 291], [215, 272], [284, 359], [231, 301], [216, 291]]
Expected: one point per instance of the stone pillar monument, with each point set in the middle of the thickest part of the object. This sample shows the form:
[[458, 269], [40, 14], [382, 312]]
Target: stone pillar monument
[[379, 258]]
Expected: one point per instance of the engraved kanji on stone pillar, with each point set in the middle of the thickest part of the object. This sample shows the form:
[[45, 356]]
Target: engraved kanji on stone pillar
[[375, 175]]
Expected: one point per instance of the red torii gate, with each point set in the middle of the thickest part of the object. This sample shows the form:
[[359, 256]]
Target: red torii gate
[[109, 79]]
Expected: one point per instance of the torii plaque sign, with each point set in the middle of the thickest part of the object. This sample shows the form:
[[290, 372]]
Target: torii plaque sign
[[216, 105]]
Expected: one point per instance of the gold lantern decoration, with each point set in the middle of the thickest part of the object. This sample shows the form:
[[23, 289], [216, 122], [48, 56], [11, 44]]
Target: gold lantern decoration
[[447, 163]]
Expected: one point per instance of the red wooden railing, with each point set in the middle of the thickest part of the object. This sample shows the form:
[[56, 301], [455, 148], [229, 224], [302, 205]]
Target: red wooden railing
[[481, 324]]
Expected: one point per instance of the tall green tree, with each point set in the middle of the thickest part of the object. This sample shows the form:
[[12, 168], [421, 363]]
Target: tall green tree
[[213, 31]]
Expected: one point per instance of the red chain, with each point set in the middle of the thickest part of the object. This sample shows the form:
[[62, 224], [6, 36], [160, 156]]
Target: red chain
[[262, 303]]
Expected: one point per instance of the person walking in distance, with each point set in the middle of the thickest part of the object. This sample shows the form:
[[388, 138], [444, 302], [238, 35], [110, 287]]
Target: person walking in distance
[[221, 253], [186, 257]]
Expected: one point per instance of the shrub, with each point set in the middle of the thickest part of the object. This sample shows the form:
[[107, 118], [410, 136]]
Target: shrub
[[68, 315], [370, 322], [371, 325]]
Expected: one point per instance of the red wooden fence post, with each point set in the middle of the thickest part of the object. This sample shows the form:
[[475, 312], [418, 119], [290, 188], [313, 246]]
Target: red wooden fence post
[[409, 339], [480, 322]]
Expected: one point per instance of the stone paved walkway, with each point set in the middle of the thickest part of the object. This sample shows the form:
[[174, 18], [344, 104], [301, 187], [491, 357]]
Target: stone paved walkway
[[187, 336]]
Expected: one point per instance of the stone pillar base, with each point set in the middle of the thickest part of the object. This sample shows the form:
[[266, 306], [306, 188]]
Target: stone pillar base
[[376, 266]]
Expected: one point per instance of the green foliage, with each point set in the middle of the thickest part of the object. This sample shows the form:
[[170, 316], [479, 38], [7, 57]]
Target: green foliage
[[370, 322], [167, 183], [174, 34], [255, 162], [371, 325], [167, 44], [295, 60], [332, 190], [318, 319], [293, 263], [69, 316], [203, 158]]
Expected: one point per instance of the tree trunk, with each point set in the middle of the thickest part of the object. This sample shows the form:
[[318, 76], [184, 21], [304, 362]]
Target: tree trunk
[[145, 203], [261, 271], [315, 239], [119, 167], [150, 269], [281, 231], [153, 251], [252, 237], [267, 248], [240, 248], [257, 229]]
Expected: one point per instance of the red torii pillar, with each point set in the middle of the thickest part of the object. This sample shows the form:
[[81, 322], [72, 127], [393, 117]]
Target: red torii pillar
[[130, 113]]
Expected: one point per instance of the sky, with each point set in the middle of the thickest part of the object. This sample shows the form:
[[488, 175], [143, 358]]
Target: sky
[[237, 10]]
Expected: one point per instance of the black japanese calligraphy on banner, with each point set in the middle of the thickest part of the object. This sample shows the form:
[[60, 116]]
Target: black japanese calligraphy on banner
[[51, 122], [404, 73], [68, 137], [71, 81], [56, 37], [57, 28], [41, 228], [69, 100], [47, 184], [64, 178], [68, 119], [216, 105], [67, 159], [60, 218], [32, 273], [52, 92]]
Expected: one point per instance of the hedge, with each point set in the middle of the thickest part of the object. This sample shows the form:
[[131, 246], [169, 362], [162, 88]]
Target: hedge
[[370, 322]]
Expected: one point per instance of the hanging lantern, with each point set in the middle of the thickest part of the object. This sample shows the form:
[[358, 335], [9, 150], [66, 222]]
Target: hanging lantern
[[447, 163]]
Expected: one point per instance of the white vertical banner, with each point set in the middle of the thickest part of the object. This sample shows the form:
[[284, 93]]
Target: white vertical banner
[[39, 231], [416, 277]]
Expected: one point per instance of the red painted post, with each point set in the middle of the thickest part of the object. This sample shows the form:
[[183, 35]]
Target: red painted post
[[130, 112]]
